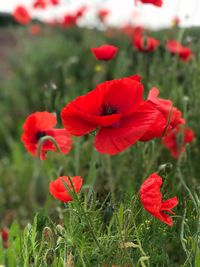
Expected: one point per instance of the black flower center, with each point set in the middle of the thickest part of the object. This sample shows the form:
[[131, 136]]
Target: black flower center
[[39, 135], [107, 109]]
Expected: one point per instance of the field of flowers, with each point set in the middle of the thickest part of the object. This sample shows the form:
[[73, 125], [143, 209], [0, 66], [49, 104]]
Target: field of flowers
[[100, 138]]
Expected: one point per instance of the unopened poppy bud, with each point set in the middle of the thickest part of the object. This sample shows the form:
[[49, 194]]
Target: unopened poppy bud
[[47, 234], [60, 230], [29, 227], [49, 256], [165, 168], [186, 98]]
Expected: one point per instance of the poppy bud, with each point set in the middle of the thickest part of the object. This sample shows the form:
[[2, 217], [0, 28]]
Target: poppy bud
[[47, 234], [60, 230], [165, 168]]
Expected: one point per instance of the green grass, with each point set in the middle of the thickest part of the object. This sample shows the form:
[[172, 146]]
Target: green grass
[[106, 225]]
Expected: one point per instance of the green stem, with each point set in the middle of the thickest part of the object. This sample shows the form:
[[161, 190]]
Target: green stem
[[88, 221], [43, 140]]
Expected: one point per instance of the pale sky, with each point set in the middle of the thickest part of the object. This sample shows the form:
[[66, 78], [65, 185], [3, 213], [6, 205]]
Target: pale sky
[[121, 11]]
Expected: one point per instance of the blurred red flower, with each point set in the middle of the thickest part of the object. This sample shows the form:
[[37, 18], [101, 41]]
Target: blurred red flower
[[39, 4], [40, 124], [152, 202], [80, 12], [55, 2], [104, 52], [176, 139], [69, 20], [35, 29], [128, 29], [116, 109], [21, 15], [103, 14], [4, 233], [183, 52], [58, 189], [157, 3], [145, 44], [132, 31]]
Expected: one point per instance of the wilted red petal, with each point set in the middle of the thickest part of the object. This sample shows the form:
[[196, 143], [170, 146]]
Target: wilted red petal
[[151, 199], [169, 204]]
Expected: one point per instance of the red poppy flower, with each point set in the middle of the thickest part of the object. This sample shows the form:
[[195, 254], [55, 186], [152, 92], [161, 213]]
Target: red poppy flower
[[176, 139], [40, 4], [116, 109], [80, 12], [103, 14], [157, 3], [58, 189], [104, 52], [40, 124], [4, 235], [172, 115], [152, 202], [35, 29], [145, 44], [69, 21], [21, 15], [55, 2], [183, 52]]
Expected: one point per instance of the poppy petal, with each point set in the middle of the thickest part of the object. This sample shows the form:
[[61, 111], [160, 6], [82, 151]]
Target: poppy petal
[[132, 91], [112, 140], [169, 204], [58, 189]]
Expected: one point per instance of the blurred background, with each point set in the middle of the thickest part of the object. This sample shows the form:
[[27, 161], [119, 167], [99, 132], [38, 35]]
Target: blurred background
[[120, 11]]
